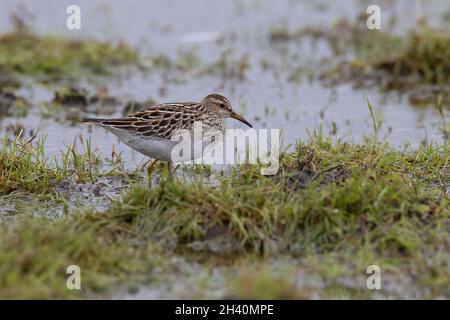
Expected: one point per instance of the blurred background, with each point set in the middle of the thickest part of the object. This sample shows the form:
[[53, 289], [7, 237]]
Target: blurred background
[[272, 59], [306, 67]]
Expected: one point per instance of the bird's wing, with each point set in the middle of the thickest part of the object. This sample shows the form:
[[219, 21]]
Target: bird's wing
[[157, 121]]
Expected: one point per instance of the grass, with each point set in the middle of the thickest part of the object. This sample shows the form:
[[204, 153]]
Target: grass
[[51, 58], [326, 197], [354, 204], [337, 207], [36, 252], [256, 281], [80, 165], [423, 54], [24, 167]]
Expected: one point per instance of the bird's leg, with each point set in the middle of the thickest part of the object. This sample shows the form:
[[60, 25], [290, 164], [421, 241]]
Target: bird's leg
[[144, 165], [151, 167]]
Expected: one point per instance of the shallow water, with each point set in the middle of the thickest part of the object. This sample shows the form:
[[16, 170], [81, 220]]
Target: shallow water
[[280, 89], [276, 97], [269, 98], [190, 279]]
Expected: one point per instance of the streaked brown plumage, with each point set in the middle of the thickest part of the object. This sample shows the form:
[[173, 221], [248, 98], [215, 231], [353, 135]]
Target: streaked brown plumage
[[159, 122]]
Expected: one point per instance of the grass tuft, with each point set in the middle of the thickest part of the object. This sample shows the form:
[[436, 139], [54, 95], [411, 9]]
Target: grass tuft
[[51, 58], [24, 167], [36, 252], [326, 197]]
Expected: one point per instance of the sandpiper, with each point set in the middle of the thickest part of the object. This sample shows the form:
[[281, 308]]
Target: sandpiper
[[149, 131]]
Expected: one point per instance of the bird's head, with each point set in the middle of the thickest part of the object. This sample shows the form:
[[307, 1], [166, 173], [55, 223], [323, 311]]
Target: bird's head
[[221, 106]]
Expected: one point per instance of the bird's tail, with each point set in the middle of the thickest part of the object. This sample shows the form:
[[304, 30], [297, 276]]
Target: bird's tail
[[92, 120]]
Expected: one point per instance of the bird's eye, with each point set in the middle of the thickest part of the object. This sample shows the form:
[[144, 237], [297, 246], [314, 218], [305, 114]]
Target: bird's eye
[[222, 104]]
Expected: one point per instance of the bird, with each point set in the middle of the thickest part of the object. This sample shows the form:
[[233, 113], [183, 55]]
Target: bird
[[150, 130]]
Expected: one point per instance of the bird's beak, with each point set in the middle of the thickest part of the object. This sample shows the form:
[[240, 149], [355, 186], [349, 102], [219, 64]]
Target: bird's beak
[[237, 116]]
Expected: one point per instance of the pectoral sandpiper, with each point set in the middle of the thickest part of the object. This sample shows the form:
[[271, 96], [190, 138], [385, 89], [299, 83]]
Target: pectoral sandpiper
[[149, 131]]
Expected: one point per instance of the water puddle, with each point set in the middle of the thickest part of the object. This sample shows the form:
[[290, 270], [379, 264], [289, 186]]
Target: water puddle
[[275, 85]]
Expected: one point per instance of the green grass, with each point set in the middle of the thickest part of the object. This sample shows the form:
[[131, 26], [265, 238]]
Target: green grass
[[325, 198], [80, 165], [24, 167], [423, 54], [258, 281], [36, 252], [338, 206], [51, 58]]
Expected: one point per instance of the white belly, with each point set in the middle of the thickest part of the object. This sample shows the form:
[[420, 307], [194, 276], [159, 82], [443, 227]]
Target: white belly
[[153, 148], [162, 149]]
